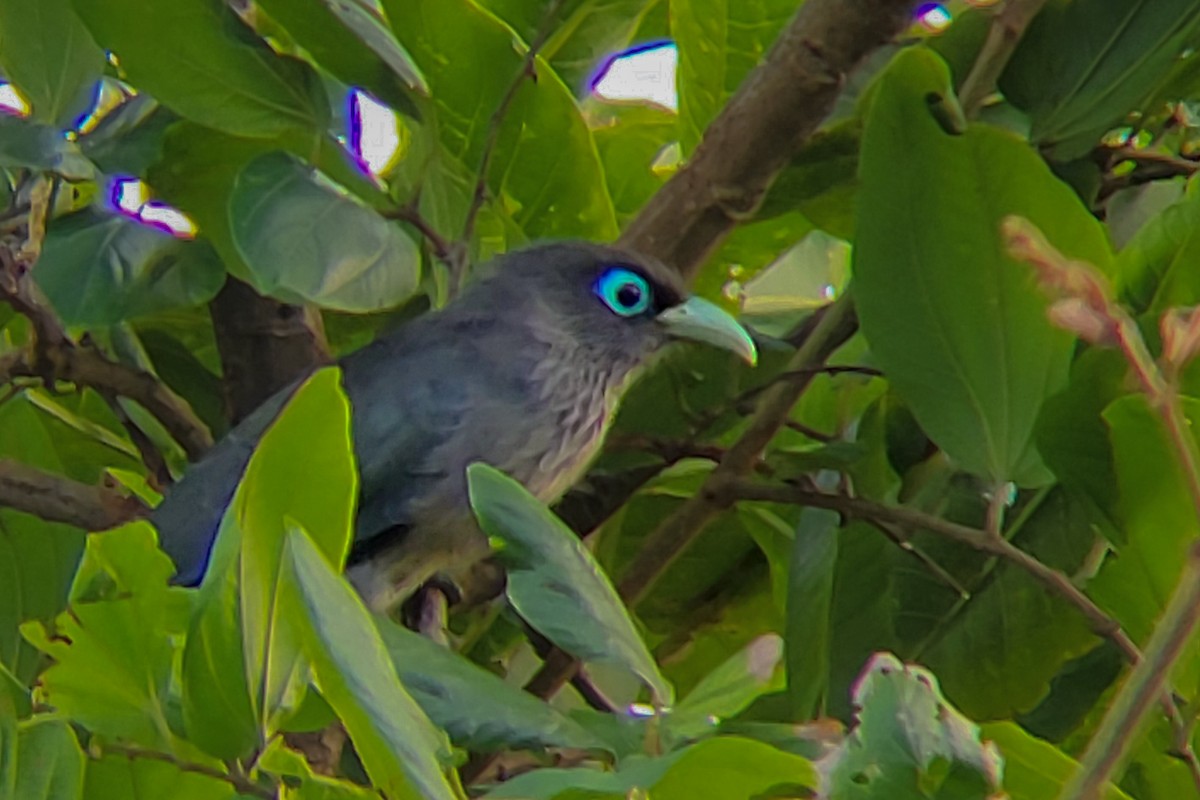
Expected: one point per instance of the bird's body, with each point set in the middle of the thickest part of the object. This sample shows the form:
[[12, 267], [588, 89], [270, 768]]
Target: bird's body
[[524, 372]]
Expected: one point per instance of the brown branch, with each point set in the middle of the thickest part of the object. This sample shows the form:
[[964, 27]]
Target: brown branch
[[264, 345], [1003, 36], [673, 535], [56, 498], [527, 71], [764, 124], [443, 249], [66, 361]]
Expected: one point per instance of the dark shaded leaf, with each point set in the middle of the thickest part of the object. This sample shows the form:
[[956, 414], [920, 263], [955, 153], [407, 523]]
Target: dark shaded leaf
[[99, 268], [197, 58], [555, 584], [48, 54], [304, 240], [478, 709]]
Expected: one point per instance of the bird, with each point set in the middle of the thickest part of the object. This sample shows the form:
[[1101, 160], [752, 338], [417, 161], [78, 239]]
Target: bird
[[523, 370]]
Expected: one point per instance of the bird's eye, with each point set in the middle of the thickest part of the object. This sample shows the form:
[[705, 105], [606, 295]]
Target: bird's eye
[[623, 291]]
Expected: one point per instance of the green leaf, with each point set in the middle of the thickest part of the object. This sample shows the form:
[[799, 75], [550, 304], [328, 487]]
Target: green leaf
[[32, 145], [719, 44], [1034, 769], [544, 171], [728, 689], [114, 649], [909, 742], [197, 58], [237, 628], [1154, 268], [477, 708], [303, 784], [1083, 64], [49, 763], [722, 768], [555, 584], [353, 260], [348, 38], [958, 326], [47, 53], [100, 269], [398, 745], [116, 776], [585, 33], [809, 603], [129, 138], [1159, 523], [629, 139]]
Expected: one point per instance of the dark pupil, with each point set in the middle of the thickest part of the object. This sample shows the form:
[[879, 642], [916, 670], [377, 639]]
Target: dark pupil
[[629, 295]]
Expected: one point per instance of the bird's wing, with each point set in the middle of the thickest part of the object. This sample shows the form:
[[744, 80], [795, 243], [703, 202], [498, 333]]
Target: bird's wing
[[189, 516]]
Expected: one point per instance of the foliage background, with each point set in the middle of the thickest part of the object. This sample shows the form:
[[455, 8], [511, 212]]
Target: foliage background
[[923, 465]]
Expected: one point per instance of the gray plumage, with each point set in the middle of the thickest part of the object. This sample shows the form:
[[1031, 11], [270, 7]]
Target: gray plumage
[[523, 371]]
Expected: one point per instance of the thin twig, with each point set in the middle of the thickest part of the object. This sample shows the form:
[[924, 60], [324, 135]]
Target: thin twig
[[443, 248], [1147, 681], [241, 783], [672, 536], [1007, 28], [527, 71]]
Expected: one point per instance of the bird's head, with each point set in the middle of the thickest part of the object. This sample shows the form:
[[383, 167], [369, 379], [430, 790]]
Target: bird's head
[[611, 299]]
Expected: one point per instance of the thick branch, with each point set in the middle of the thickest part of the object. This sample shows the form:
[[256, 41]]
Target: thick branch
[[775, 111], [56, 498], [264, 344]]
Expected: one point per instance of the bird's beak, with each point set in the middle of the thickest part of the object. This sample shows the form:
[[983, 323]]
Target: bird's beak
[[701, 321]]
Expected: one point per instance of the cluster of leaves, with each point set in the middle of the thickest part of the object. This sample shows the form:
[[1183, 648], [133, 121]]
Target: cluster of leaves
[[961, 404]]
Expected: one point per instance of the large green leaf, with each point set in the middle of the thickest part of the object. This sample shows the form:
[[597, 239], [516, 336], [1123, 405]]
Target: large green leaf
[[722, 768], [477, 708], [555, 584], [49, 763], [349, 39], [399, 747], [240, 661], [48, 54], [910, 743], [114, 649], [116, 776], [719, 44], [1159, 524], [1034, 769], [1155, 268], [958, 326], [1084, 64], [200, 60], [812, 572], [544, 171], [304, 240], [99, 269], [629, 139]]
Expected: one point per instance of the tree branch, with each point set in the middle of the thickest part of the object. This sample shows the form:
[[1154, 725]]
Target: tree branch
[[56, 498], [764, 124], [680, 529]]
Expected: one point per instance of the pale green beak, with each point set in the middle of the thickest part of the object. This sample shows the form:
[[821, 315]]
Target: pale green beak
[[701, 321]]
